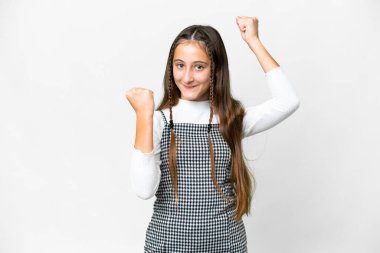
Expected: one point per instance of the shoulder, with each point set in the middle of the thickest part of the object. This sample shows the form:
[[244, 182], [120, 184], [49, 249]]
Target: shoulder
[[163, 115], [158, 121]]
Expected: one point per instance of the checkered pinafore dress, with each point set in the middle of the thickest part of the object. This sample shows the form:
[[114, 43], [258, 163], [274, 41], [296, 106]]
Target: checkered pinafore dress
[[204, 221]]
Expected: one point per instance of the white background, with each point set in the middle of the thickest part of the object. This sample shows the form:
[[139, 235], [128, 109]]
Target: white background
[[67, 131]]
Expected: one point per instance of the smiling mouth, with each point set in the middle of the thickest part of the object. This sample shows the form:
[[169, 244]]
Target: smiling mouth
[[189, 86]]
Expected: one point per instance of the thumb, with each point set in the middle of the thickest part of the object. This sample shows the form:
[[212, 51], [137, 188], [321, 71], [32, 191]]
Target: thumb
[[240, 24]]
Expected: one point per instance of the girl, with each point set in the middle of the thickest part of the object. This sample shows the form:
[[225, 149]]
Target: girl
[[188, 152]]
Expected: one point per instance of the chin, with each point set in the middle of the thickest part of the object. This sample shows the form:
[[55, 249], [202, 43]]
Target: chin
[[188, 96]]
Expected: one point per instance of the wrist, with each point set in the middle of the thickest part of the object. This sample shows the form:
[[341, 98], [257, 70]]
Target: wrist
[[144, 115], [254, 44]]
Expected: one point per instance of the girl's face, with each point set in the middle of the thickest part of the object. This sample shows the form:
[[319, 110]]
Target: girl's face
[[191, 71]]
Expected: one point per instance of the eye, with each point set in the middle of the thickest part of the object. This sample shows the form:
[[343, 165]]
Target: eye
[[179, 65], [199, 67]]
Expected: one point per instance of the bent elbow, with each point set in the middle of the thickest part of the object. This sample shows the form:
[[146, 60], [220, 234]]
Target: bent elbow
[[287, 106], [145, 195], [295, 104], [145, 192]]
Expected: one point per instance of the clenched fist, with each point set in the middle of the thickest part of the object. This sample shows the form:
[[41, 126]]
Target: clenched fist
[[141, 100], [249, 27]]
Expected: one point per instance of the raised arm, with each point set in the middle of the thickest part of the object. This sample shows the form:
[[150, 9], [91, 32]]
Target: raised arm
[[145, 161], [284, 100]]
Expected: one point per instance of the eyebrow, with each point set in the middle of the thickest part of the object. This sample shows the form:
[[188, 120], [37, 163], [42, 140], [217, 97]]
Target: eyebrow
[[193, 62]]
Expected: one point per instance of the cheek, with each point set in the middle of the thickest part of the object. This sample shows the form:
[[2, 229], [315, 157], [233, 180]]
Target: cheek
[[204, 77], [176, 75]]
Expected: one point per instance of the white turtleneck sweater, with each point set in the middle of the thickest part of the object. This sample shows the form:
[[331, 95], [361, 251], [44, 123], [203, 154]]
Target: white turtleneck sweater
[[145, 172]]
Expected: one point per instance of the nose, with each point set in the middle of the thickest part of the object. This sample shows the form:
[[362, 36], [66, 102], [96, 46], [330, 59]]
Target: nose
[[188, 76]]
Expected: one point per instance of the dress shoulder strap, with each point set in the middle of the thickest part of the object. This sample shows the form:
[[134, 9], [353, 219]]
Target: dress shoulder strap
[[163, 116]]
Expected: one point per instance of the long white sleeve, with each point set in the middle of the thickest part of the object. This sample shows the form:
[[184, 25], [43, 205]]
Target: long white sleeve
[[145, 172], [282, 104]]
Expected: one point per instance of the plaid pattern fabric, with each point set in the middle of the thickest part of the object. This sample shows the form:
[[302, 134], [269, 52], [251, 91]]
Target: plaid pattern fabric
[[204, 222]]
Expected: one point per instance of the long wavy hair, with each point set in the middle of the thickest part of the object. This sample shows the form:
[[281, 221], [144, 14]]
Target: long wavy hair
[[229, 110]]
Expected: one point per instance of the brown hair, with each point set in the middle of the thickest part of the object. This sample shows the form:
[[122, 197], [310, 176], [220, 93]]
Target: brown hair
[[229, 110]]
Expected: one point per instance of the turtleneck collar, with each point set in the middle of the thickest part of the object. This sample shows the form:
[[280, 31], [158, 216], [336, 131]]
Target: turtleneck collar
[[189, 111], [194, 104]]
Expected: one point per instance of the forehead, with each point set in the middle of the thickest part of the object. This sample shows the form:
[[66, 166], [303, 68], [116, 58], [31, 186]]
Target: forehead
[[191, 49]]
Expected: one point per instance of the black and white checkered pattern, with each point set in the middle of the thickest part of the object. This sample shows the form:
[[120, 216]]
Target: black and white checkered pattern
[[204, 222]]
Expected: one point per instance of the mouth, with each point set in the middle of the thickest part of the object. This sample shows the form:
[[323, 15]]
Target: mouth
[[189, 86]]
